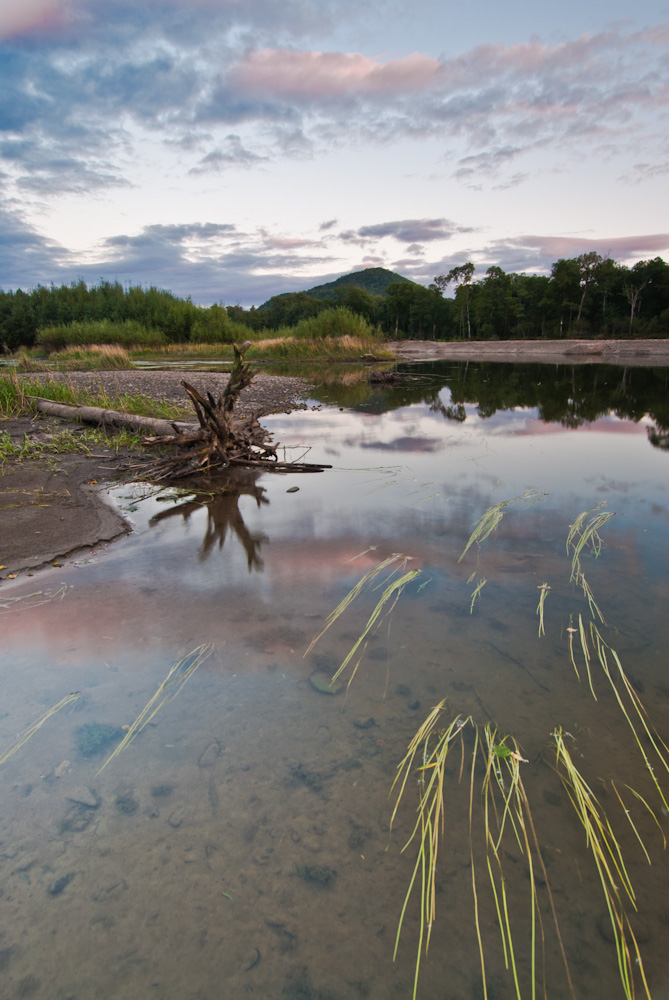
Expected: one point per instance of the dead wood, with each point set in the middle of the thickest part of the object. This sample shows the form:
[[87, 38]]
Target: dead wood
[[162, 429], [224, 438]]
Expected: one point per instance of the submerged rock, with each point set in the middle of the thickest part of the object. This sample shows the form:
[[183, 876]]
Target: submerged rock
[[323, 684]]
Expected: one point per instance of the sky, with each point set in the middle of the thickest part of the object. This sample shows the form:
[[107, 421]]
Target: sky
[[233, 149]]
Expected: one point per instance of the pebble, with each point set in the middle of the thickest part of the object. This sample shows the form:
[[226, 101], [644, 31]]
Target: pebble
[[84, 797], [210, 754], [364, 723], [176, 817]]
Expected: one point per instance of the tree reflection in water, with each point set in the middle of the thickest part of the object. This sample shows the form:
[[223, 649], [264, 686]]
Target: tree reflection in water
[[219, 496]]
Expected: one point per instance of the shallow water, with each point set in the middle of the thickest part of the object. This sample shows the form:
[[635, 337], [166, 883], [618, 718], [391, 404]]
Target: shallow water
[[240, 844]]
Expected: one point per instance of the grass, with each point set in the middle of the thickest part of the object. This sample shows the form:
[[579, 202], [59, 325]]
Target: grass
[[15, 396], [491, 518], [96, 357], [67, 442], [127, 334], [169, 689], [504, 813], [284, 345], [393, 587], [607, 855], [499, 813], [28, 733]]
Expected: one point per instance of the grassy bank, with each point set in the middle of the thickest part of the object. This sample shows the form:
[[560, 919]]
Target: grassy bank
[[15, 396], [334, 334]]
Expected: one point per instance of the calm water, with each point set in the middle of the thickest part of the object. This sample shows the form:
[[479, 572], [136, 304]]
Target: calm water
[[239, 846]]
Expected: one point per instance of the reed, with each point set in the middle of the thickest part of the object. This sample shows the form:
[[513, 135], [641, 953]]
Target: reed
[[28, 733], [169, 689]]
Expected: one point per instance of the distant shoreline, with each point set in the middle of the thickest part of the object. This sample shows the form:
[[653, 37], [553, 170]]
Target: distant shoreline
[[631, 353]]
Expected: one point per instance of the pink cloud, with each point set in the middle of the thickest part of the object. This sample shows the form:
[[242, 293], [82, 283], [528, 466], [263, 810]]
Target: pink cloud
[[287, 74], [18, 16], [617, 246]]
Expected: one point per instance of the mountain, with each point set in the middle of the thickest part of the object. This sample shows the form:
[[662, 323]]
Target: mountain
[[374, 280]]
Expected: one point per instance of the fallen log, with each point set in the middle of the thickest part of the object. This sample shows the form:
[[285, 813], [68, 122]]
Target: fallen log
[[161, 429]]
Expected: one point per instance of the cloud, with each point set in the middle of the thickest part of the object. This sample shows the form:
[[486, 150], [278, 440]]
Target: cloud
[[27, 258], [411, 230], [231, 154], [621, 248], [106, 75], [314, 76]]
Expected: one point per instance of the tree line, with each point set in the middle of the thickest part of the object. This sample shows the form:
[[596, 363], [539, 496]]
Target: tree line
[[585, 296]]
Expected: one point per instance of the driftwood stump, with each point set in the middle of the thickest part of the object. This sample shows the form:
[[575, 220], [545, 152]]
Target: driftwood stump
[[223, 438]]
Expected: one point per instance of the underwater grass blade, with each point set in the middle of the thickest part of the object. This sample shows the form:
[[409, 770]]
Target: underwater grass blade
[[384, 607], [490, 519], [476, 592], [637, 705], [32, 729], [392, 560], [584, 536], [430, 822], [608, 859], [544, 589], [169, 689]]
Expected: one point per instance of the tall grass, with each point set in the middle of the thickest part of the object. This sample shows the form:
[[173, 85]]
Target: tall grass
[[97, 357], [127, 334], [337, 322], [280, 345]]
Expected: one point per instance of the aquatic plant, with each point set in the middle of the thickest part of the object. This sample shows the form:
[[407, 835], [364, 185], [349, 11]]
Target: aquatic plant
[[504, 806], [94, 737], [168, 689], [490, 519], [499, 807], [607, 855], [28, 733]]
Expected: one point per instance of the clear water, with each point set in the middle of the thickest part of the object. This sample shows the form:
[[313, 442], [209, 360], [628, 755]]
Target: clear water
[[239, 846]]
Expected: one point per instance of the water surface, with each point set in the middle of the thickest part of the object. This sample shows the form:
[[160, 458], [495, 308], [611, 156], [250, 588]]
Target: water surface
[[240, 844]]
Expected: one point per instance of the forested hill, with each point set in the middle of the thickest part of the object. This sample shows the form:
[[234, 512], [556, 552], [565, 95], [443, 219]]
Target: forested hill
[[374, 280]]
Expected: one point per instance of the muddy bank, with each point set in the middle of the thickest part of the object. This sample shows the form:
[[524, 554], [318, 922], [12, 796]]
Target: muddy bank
[[574, 352], [55, 508]]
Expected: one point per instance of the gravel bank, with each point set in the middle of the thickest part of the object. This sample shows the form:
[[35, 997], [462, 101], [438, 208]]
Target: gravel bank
[[267, 393]]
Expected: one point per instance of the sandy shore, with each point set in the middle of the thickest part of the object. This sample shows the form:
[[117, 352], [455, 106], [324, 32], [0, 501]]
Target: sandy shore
[[573, 352]]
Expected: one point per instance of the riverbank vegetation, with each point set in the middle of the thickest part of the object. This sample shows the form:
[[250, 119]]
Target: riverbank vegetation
[[585, 296], [15, 395]]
